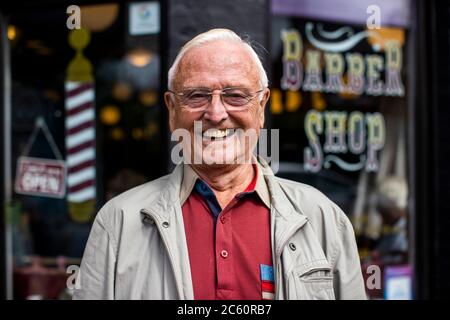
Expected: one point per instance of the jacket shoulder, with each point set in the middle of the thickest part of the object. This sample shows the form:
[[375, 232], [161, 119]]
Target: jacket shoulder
[[308, 199], [128, 204], [326, 217], [142, 194]]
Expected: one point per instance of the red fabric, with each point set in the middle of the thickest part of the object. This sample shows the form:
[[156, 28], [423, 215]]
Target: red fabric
[[243, 231], [268, 286]]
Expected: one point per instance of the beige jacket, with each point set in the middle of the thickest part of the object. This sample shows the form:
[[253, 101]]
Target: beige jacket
[[137, 246]]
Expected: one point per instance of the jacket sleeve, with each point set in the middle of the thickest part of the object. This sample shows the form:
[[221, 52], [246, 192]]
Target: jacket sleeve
[[348, 279], [97, 271]]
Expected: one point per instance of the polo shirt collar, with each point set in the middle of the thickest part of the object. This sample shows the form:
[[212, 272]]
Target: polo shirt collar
[[190, 177]]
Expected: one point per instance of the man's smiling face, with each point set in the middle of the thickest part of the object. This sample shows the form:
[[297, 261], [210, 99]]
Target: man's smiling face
[[215, 66]]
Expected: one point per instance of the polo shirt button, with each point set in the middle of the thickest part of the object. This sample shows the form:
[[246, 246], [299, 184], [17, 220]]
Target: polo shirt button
[[165, 224], [292, 246], [224, 253], [223, 219]]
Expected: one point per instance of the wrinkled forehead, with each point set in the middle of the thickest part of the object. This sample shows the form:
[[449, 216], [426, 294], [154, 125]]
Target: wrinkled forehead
[[220, 63]]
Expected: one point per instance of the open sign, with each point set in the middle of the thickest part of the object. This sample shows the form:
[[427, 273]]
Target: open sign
[[40, 177]]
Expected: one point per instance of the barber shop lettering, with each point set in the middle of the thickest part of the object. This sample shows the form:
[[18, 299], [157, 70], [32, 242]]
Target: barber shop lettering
[[365, 132], [328, 62], [363, 72]]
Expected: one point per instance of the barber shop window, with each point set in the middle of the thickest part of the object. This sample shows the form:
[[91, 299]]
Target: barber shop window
[[86, 126], [340, 99]]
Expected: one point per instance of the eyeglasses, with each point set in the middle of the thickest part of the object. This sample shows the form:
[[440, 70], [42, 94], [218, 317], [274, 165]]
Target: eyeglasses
[[197, 99]]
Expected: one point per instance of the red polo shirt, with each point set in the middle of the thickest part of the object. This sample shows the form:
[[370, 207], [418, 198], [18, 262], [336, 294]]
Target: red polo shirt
[[229, 249]]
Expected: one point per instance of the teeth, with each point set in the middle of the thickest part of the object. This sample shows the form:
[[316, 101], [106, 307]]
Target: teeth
[[217, 134]]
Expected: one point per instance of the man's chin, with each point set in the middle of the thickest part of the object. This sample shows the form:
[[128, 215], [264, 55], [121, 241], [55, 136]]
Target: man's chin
[[215, 166], [223, 160]]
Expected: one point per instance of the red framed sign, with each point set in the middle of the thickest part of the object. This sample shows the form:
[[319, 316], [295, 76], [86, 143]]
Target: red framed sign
[[40, 177]]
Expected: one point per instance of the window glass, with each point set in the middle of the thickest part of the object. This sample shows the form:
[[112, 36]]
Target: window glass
[[85, 127], [340, 98]]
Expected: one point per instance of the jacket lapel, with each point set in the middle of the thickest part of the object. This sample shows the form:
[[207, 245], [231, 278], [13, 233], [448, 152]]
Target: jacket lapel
[[168, 217], [286, 217], [285, 220]]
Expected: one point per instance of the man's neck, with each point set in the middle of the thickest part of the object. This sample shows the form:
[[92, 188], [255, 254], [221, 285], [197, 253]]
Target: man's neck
[[226, 181]]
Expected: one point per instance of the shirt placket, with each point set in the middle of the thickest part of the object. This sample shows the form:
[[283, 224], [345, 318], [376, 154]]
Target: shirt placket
[[224, 254]]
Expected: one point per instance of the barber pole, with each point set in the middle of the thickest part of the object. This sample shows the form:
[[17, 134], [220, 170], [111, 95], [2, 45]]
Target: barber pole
[[80, 131], [80, 141]]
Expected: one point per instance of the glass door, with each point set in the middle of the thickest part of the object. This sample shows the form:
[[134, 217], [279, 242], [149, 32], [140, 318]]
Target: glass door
[[85, 126]]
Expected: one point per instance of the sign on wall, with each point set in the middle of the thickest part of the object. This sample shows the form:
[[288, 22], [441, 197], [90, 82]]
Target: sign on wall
[[326, 62], [348, 64]]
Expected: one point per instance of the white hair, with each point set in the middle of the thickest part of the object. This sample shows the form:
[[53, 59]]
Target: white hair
[[211, 36]]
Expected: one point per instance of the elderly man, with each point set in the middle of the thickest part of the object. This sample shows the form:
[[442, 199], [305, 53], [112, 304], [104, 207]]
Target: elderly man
[[219, 226]]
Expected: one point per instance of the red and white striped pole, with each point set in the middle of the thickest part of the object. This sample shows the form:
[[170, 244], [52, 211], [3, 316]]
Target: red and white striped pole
[[80, 141], [80, 131]]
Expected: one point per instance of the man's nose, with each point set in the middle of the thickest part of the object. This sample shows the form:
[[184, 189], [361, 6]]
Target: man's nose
[[216, 111]]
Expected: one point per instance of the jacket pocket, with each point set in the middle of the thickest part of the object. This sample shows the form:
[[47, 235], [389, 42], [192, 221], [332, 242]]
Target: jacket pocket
[[314, 281]]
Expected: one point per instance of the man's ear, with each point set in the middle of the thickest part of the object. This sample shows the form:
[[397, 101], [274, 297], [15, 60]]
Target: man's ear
[[263, 104], [170, 104]]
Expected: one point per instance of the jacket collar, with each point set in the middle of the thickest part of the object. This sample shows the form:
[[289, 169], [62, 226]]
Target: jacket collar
[[190, 177], [274, 194], [165, 204]]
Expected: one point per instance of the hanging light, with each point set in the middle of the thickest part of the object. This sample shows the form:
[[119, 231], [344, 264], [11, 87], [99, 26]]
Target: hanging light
[[139, 57], [117, 134], [99, 17], [148, 97], [12, 32], [122, 91], [110, 115]]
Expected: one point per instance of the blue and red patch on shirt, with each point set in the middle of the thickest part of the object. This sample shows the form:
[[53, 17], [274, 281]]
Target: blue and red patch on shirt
[[267, 282]]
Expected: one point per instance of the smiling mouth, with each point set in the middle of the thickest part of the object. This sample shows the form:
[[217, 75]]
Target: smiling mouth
[[217, 134]]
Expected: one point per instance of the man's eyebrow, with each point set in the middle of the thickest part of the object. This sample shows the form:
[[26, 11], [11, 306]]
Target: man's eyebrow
[[196, 88], [225, 86]]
